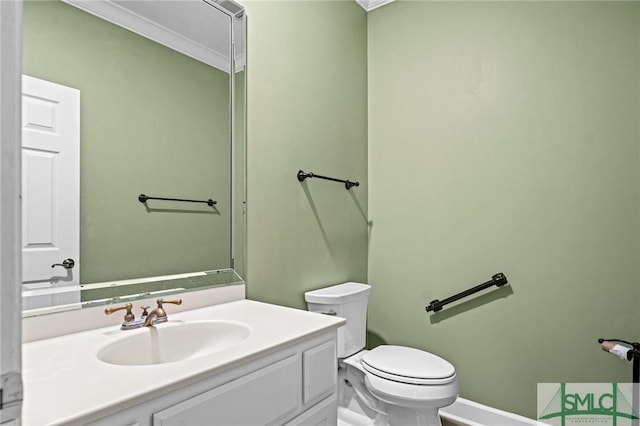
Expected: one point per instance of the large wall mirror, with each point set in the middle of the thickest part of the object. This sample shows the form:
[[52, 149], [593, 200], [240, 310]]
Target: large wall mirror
[[123, 99]]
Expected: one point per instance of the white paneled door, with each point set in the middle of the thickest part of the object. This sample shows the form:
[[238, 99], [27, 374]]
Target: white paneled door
[[50, 193]]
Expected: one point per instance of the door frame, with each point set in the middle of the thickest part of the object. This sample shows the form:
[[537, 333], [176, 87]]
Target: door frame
[[10, 211]]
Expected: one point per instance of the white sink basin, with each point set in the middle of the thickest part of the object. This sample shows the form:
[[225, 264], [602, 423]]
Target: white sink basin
[[173, 342]]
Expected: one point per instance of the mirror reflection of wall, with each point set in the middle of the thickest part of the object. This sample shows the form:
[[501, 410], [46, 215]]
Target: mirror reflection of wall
[[152, 121]]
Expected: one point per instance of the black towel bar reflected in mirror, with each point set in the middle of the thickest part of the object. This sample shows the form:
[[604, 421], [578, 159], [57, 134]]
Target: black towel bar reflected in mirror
[[143, 199]]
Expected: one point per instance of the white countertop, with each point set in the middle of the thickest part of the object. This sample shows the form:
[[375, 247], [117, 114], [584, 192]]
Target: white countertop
[[64, 381]]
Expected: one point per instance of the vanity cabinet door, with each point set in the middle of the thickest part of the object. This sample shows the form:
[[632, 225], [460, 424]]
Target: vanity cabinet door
[[324, 413], [263, 397], [319, 372]]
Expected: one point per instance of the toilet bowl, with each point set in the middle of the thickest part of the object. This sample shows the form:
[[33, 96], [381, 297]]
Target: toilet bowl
[[392, 385]]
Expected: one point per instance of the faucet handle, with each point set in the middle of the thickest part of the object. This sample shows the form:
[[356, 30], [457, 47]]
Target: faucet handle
[[128, 316], [161, 301]]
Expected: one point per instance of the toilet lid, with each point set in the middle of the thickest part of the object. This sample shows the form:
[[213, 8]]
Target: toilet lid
[[408, 365]]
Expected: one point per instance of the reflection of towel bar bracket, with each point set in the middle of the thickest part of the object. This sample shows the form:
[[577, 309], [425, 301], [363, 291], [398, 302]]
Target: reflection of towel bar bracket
[[498, 280], [347, 183], [143, 199]]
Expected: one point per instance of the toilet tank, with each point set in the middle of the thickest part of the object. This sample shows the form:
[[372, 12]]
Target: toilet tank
[[349, 301]]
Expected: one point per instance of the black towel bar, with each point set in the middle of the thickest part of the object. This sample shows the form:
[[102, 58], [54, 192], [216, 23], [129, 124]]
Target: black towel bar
[[498, 280], [143, 199], [347, 183]]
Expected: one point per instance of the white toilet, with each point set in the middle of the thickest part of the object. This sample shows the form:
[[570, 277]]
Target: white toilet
[[388, 385]]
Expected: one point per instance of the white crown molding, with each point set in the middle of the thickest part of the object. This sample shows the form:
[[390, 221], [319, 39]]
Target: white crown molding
[[369, 5], [125, 18]]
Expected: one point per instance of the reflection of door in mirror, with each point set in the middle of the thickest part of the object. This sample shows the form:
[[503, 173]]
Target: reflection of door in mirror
[[50, 193], [153, 121]]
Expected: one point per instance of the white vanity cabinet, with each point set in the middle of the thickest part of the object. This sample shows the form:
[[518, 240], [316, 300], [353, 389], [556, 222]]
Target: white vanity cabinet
[[283, 372], [295, 385]]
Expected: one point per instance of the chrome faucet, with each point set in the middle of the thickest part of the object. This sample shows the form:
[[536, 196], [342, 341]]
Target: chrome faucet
[[159, 315]]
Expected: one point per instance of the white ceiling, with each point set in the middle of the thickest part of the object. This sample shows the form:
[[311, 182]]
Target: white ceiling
[[369, 5], [194, 20], [193, 27]]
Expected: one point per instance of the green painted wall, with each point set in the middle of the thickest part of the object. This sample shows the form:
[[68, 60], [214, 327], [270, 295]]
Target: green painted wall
[[503, 136], [307, 110], [153, 121]]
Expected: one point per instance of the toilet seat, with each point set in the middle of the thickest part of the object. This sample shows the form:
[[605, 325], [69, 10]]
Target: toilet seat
[[408, 365], [409, 377]]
